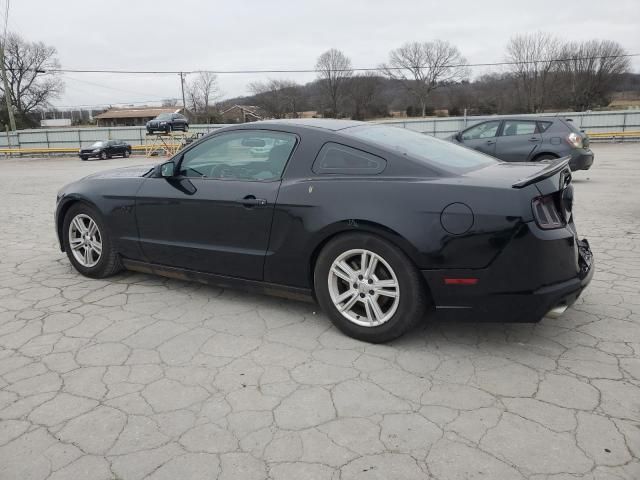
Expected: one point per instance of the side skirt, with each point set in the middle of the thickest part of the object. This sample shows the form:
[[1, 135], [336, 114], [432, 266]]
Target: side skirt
[[223, 281]]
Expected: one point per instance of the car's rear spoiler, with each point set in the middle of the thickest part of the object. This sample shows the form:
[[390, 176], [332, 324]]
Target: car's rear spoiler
[[549, 171]]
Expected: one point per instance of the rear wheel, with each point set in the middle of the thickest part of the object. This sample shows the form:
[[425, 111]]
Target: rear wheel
[[545, 157], [88, 242], [126, 154], [369, 288], [84, 157], [103, 155]]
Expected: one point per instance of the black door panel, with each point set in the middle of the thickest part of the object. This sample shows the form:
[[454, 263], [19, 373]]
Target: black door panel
[[206, 224]]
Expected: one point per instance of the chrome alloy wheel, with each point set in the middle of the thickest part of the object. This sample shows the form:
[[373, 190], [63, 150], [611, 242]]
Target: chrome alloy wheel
[[363, 287], [85, 240]]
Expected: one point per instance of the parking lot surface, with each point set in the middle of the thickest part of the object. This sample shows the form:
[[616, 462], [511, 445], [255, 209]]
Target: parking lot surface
[[141, 377]]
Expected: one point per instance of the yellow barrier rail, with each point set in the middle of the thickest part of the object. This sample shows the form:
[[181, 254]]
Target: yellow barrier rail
[[631, 134], [73, 150]]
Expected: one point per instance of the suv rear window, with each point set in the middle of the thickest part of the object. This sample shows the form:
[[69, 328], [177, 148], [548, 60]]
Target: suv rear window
[[422, 148]]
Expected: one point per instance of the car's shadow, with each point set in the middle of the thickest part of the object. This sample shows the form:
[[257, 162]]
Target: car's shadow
[[430, 334]]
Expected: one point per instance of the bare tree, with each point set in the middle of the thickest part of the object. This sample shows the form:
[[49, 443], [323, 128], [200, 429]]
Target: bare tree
[[588, 69], [170, 102], [423, 67], [279, 98], [31, 86], [202, 93], [533, 56], [363, 90], [334, 71]]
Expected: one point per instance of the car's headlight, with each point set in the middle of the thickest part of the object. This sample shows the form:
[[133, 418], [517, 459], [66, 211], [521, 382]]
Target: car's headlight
[[96, 150], [163, 123]]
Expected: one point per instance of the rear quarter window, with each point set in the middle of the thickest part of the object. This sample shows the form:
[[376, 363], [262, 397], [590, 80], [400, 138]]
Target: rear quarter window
[[335, 158], [544, 126], [422, 148]]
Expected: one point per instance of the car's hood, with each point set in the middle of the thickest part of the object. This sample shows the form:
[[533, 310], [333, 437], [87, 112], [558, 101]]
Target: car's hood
[[126, 172]]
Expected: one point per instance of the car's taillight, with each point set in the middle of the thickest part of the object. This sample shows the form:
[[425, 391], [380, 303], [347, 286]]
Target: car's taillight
[[574, 140], [546, 212]]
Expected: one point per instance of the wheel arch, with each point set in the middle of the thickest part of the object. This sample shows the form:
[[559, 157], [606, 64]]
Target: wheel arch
[[543, 154], [62, 213], [359, 226]]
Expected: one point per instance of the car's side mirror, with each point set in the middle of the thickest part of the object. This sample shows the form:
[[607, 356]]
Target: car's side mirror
[[168, 170]]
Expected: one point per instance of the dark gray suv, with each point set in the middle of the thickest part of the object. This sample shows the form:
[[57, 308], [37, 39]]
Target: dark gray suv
[[529, 139]]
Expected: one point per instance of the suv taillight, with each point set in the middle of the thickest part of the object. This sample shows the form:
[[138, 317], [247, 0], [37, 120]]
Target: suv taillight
[[574, 139], [546, 212]]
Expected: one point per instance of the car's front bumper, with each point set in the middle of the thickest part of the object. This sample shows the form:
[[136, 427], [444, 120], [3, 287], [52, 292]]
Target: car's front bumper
[[516, 289], [581, 159]]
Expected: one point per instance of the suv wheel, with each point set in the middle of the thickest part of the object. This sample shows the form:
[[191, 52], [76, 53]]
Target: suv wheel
[[369, 288]]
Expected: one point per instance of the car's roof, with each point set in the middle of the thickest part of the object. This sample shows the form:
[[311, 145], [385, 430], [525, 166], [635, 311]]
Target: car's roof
[[325, 123]]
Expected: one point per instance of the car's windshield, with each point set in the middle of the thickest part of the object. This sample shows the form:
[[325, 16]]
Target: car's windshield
[[97, 145], [164, 116], [421, 147]]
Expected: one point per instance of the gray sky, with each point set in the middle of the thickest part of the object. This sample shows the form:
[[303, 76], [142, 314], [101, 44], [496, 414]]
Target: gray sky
[[272, 34]]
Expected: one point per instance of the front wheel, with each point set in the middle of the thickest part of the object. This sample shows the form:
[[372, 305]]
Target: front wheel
[[103, 155], [369, 288], [126, 154], [88, 242]]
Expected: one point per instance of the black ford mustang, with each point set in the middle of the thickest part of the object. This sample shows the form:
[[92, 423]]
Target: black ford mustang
[[378, 224]]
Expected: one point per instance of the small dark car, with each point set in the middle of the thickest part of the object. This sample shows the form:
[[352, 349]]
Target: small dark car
[[104, 149], [167, 122], [378, 224], [529, 139]]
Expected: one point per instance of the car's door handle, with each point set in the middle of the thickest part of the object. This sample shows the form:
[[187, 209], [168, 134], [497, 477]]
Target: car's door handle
[[252, 201], [534, 139], [490, 142]]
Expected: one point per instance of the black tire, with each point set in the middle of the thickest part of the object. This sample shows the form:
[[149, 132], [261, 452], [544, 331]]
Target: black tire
[[103, 155], [84, 158], [168, 130], [413, 298], [545, 157], [109, 262], [186, 127], [127, 153]]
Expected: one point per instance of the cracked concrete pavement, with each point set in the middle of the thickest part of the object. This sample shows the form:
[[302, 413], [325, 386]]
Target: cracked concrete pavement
[[142, 377]]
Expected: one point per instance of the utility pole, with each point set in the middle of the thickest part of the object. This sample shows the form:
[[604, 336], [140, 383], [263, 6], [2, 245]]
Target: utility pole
[[7, 92], [184, 104]]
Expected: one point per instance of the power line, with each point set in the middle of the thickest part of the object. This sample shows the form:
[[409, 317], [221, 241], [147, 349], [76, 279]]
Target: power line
[[314, 70], [160, 97]]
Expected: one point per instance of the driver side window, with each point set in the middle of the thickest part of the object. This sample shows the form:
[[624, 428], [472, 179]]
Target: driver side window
[[242, 155], [483, 130]]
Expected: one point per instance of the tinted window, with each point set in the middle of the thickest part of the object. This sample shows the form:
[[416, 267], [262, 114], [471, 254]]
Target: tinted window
[[518, 127], [543, 126], [245, 155], [336, 158], [483, 130], [421, 147]]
